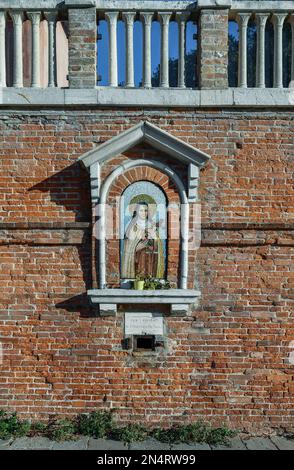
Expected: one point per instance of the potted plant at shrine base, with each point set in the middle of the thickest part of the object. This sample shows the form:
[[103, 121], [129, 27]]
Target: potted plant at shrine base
[[139, 282]]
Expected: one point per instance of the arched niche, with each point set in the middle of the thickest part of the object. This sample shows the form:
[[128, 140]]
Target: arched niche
[[175, 151]]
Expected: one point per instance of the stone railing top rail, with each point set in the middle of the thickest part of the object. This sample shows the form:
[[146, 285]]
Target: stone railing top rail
[[145, 5], [261, 5], [99, 4], [237, 5], [247, 4], [252, 5], [30, 4], [135, 5]]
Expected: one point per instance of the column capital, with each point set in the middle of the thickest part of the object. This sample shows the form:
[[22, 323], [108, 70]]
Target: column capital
[[261, 18], [17, 17], [51, 16], [34, 17], [129, 17], [164, 17], [111, 16], [147, 17], [183, 16], [278, 19], [243, 19]]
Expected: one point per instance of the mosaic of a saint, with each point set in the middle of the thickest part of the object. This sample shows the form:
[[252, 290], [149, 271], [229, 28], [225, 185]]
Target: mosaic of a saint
[[143, 231], [143, 253]]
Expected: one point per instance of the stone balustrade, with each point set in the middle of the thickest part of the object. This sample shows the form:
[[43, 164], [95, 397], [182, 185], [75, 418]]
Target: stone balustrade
[[261, 13], [26, 44], [23, 41], [146, 16], [212, 19]]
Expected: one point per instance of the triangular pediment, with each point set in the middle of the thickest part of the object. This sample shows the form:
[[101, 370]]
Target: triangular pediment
[[154, 136]]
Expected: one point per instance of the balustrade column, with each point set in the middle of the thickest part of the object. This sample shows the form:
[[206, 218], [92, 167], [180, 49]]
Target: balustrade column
[[182, 21], [129, 21], [111, 17], [278, 20], [35, 17], [243, 19], [292, 54], [164, 75], [17, 18], [261, 19], [51, 17], [147, 23], [2, 49]]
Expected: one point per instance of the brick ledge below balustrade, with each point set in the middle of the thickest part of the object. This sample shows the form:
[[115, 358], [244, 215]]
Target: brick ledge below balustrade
[[153, 97], [179, 299]]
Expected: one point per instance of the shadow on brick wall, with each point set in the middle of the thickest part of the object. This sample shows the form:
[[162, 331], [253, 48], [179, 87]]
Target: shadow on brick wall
[[69, 188], [79, 304]]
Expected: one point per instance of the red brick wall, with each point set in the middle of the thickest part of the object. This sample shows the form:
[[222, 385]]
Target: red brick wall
[[231, 361]]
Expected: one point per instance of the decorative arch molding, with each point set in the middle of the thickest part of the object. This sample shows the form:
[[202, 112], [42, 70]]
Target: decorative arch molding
[[191, 160], [144, 131]]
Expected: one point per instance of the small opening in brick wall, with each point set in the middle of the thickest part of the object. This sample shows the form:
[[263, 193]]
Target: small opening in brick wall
[[144, 343]]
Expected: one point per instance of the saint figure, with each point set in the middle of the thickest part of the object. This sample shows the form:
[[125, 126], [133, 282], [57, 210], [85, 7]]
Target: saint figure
[[142, 247]]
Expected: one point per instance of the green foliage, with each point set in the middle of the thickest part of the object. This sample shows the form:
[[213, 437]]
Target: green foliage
[[220, 436], [61, 430], [196, 432], [11, 426], [233, 61], [152, 283], [96, 424], [130, 433], [99, 424], [191, 78], [38, 428]]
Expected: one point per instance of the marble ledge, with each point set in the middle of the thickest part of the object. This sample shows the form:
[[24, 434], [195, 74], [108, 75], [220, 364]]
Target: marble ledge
[[180, 300], [140, 97]]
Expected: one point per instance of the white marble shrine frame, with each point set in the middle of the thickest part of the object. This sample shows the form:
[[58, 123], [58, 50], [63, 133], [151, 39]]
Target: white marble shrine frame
[[177, 150]]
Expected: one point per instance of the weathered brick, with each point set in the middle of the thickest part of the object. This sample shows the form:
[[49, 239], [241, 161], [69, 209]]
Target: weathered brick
[[60, 357], [213, 49], [82, 48]]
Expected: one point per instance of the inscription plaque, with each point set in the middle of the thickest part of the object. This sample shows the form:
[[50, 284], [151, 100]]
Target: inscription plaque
[[144, 323]]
